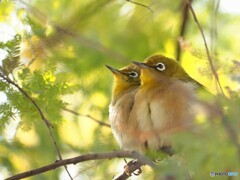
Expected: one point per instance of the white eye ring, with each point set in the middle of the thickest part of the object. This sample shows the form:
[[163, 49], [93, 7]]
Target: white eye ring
[[160, 67], [133, 74]]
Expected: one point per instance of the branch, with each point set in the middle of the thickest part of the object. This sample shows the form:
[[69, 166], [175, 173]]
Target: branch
[[88, 116], [213, 27], [48, 124], [139, 4], [233, 135], [29, 97], [87, 157], [206, 46], [182, 27]]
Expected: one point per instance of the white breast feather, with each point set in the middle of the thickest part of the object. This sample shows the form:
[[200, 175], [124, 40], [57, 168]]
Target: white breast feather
[[118, 115]]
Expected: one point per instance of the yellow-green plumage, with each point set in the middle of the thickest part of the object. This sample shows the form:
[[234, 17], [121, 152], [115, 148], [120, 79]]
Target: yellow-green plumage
[[145, 110], [125, 87], [165, 102]]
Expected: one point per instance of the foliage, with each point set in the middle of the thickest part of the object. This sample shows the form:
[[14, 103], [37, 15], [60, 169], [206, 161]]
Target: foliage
[[55, 53]]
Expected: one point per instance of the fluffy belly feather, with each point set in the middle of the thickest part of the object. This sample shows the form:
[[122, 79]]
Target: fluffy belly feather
[[123, 129]]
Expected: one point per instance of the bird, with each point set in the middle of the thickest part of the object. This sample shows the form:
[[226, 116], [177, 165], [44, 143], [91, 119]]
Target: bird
[[125, 86], [166, 102]]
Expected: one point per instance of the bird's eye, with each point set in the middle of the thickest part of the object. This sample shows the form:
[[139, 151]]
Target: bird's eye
[[133, 74], [160, 67]]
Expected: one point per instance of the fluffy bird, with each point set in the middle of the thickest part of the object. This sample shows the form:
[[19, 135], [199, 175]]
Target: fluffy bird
[[164, 103], [125, 86]]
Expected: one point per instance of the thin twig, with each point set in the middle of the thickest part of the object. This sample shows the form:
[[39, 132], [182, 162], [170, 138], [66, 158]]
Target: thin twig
[[29, 97], [182, 27], [233, 135], [48, 124], [88, 116], [213, 28], [139, 4], [206, 46], [87, 157]]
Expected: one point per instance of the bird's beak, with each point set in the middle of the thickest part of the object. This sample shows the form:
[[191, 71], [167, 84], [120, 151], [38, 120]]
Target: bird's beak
[[141, 65], [114, 71]]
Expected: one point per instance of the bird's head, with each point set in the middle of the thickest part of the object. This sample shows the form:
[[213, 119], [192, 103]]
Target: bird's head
[[125, 78], [159, 67]]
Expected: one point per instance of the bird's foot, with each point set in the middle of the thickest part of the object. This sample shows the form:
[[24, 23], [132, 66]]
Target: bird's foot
[[127, 168]]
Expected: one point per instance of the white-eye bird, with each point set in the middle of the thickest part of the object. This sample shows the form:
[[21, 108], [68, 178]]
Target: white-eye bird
[[165, 102], [125, 86]]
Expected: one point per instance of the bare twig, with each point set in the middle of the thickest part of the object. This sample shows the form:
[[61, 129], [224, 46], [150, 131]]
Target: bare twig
[[88, 116], [213, 28], [232, 133], [87, 157], [182, 27], [48, 124], [206, 46], [140, 4]]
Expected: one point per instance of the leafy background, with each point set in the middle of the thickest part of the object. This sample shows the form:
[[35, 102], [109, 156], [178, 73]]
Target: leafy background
[[56, 52]]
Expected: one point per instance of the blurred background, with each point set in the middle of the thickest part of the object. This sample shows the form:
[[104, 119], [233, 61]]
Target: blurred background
[[56, 52]]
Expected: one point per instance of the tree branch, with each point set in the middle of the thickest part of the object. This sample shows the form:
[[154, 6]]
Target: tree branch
[[48, 124], [29, 97], [206, 46], [233, 135], [87, 157], [140, 4], [182, 27], [88, 116], [213, 28]]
